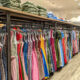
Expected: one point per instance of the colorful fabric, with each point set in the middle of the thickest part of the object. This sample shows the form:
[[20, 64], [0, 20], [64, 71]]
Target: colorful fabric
[[44, 58], [64, 47]]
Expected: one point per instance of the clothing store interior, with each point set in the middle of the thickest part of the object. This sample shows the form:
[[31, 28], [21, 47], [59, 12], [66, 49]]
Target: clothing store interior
[[39, 39]]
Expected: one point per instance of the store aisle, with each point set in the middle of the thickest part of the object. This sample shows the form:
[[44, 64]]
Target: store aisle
[[70, 72]]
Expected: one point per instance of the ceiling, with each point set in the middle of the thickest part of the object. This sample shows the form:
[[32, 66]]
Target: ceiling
[[61, 8]]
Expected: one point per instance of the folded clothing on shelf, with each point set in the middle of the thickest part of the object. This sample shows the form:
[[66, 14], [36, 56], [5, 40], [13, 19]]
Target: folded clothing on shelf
[[42, 11], [52, 16], [30, 8], [14, 4]]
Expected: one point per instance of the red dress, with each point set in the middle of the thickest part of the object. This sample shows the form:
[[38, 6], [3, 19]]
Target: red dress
[[64, 50], [19, 36]]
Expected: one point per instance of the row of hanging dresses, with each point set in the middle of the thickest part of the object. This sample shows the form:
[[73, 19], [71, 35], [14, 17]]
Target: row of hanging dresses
[[36, 56], [18, 71], [30, 56], [65, 46], [3, 57]]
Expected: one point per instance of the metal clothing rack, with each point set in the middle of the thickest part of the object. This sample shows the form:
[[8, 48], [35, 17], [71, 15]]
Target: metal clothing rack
[[13, 17]]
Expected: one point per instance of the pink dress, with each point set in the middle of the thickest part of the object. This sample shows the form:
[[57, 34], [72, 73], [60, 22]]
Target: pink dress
[[53, 49], [35, 69]]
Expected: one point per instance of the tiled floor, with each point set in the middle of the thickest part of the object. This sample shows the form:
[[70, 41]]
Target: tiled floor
[[70, 72]]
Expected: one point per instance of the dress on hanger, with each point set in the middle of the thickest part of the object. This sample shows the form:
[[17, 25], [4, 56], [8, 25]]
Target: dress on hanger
[[45, 63]]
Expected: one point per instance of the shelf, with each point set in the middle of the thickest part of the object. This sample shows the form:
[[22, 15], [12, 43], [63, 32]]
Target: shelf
[[25, 15]]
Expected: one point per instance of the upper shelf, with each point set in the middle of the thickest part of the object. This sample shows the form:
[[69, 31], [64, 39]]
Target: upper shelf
[[21, 14]]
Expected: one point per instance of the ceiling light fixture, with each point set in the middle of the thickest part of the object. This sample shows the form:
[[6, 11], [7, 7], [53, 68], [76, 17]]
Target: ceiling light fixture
[[76, 0], [78, 4]]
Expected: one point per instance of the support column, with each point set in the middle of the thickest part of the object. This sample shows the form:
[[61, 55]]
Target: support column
[[8, 45]]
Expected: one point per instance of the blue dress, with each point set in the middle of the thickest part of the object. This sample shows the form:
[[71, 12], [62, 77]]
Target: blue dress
[[25, 52]]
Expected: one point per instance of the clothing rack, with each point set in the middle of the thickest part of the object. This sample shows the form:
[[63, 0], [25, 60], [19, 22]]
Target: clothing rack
[[9, 16]]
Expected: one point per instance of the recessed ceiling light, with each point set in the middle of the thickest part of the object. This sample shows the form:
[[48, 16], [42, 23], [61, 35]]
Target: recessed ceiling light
[[76, 0], [78, 4]]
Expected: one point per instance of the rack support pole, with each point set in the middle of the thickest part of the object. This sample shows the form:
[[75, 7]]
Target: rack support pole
[[8, 45]]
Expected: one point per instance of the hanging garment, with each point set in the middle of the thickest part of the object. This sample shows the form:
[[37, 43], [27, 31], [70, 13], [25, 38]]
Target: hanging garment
[[35, 69], [69, 50], [14, 57], [25, 51], [61, 53], [53, 50], [47, 54], [49, 58], [73, 47], [0, 74], [45, 63], [30, 60], [57, 53], [40, 63], [76, 46], [52, 62], [23, 64], [4, 55], [64, 49], [19, 49], [57, 37], [68, 43], [1, 65], [13, 69], [73, 41], [21, 72], [77, 40]]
